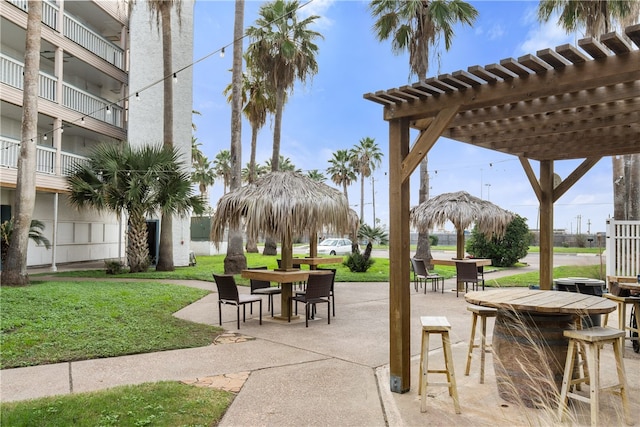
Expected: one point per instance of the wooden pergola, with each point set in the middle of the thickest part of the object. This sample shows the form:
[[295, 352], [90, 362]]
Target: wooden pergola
[[567, 103]]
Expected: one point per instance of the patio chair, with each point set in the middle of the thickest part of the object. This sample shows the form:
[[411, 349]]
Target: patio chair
[[332, 294], [422, 273], [228, 294], [302, 284], [318, 291], [263, 287], [467, 272]]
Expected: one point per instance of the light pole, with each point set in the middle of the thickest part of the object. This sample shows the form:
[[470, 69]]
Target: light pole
[[488, 192]]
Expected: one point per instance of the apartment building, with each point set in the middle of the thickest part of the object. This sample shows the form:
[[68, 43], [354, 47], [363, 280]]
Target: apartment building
[[83, 101]]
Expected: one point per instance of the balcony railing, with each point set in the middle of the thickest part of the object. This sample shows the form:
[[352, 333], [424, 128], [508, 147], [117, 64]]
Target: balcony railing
[[90, 105], [79, 33], [11, 73], [45, 158]]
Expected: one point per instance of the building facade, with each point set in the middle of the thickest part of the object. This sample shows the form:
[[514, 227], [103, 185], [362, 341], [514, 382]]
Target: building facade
[[85, 69]]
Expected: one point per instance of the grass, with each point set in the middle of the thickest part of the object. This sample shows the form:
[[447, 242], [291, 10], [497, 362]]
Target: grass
[[95, 319], [157, 404], [533, 277]]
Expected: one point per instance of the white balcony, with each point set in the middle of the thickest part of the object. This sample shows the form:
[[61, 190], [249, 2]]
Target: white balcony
[[11, 73], [76, 31], [45, 158]]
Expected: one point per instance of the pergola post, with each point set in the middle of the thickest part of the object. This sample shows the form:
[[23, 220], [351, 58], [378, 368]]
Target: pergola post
[[399, 275], [546, 224]]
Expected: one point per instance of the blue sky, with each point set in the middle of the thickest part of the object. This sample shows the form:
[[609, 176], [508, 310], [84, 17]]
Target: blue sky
[[329, 113]]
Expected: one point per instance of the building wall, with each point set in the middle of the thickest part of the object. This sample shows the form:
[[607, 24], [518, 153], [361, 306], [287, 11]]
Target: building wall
[[145, 114]]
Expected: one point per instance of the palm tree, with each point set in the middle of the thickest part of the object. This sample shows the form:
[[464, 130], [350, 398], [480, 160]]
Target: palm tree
[[282, 49], [285, 165], [35, 234], [258, 103], [365, 157], [196, 154], [258, 171], [222, 167], [316, 175], [341, 170], [14, 272], [415, 26], [138, 181], [203, 175], [373, 234], [161, 10], [597, 17]]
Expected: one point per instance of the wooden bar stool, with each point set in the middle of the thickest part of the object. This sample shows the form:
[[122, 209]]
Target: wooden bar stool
[[436, 325], [622, 315], [483, 313], [592, 339]]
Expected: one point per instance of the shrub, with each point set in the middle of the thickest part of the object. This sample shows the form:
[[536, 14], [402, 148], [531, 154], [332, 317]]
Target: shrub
[[114, 266], [360, 263], [433, 240], [504, 251]]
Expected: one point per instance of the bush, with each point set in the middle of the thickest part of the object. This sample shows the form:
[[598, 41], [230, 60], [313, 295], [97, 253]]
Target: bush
[[433, 240], [504, 251], [360, 263], [114, 266]]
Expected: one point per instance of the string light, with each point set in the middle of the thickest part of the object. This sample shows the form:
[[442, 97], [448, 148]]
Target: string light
[[108, 110], [175, 77], [137, 96], [82, 121], [222, 53], [44, 137]]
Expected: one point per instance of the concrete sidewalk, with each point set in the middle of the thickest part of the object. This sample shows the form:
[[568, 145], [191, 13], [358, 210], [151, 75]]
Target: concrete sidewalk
[[333, 374]]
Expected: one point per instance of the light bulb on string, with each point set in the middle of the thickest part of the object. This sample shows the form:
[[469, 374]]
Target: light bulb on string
[[108, 110], [222, 53], [44, 137], [82, 120], [137, 96], [175, 77]]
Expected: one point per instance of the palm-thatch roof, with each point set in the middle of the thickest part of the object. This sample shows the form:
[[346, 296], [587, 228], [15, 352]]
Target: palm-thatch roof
[[282, 204], [462, 209]]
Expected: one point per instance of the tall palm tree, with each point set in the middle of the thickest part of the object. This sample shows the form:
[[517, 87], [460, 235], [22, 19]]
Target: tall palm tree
[[161, 10], [222, 166], [235, 261], [35, 234], [138, 181], [283, 50], [365, 157], [415, 26], [258, 103], [196, 154], [598, 17], [341, 170], [14, 271]]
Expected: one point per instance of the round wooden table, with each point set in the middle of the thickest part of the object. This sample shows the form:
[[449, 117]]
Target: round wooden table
[[528, 342]]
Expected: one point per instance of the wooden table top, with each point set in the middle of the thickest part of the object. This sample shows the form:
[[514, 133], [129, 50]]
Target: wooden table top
[[628, 285], [281, 276], [480, 262], [543, 302], [623, 279], [318, 260]]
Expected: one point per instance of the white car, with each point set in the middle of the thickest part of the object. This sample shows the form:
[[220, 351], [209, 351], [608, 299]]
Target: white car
[[334, 247]]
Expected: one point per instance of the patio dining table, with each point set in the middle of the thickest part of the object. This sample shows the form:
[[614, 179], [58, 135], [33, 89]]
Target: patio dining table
[[528, 341], [286, 278], [314, 262]]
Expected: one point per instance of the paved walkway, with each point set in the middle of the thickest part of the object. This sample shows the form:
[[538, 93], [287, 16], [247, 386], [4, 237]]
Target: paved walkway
[[333, 374]]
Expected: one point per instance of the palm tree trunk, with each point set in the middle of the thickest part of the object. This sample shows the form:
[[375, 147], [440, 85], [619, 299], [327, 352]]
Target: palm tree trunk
[[235, 261], [252, 244], [362, 199], [626, 187], [423, 249], [138, 246], [14, 272], [270, 244], [165, 252]]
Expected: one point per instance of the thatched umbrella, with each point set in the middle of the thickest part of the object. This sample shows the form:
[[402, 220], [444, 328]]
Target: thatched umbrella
[[462, 209], [280, 205]]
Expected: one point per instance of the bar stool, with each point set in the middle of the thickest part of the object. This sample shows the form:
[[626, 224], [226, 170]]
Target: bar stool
[[592, 339], [436, 325], [622, 315], [483, 313]]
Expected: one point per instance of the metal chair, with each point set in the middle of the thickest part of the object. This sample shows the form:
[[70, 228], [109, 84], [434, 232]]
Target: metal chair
[[318, 291], [421, 275], [228, 294], [333, 282], [263, 287]]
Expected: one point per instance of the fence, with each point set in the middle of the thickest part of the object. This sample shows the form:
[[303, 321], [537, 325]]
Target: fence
[[623, 248]]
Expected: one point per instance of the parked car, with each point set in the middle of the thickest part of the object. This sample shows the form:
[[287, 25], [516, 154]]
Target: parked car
[[334, 247]]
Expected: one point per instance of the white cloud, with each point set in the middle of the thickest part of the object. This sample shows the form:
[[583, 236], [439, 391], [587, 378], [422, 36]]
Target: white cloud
[[319, 8], [496, 32], [542, 36]]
